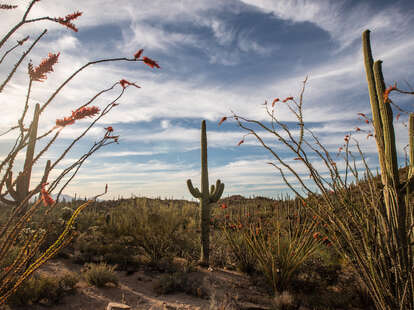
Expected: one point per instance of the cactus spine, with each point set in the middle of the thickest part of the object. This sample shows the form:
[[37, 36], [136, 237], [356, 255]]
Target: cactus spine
[[395, 204], [206, 197]]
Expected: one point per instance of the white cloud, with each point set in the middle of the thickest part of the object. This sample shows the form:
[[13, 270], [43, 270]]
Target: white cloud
[[344, 26]]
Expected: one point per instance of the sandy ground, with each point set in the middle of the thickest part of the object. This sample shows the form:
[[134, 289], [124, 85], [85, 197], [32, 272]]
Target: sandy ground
[[230, 290]]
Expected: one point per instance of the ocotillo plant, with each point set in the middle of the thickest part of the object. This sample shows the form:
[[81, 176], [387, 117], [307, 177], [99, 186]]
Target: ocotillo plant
[[16, 192], [207, 198], [370, 226]]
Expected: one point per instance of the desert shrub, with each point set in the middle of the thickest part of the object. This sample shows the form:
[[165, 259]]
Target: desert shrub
[[240, 252], [157, 229], [66, 213], [100, 274], [48, 289], [186, 282], [220, 251], [68, 281], [170, 282], [281, 247]]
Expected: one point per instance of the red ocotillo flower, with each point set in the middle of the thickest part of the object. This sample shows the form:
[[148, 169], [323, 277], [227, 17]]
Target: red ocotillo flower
[[222, 120], [46, 66], [84, 112], [67, 20], [109, 129], [223, 206], [65, 121], [274, 101], [46, 198], [76, 115], [240, 142], [387, 92], [138, 54], [287, 99], [398, 116], [124, 84], [150, 62], [316, 235]]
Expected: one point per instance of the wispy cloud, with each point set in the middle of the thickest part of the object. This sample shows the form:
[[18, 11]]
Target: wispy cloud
[[217, 56]]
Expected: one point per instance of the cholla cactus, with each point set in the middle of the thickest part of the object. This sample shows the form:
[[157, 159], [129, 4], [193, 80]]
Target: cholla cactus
[[207, 198]]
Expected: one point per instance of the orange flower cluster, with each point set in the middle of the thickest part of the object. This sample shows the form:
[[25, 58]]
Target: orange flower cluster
[[146, 60], [138, 54], [46, 198], [78, 114], [222, 120], [67, 20], [108, 131], [150, 62], [46, 66], [287, 99], [387, 92], [365, 117]]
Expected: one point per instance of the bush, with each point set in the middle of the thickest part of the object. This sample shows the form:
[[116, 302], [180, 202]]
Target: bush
[[47, 289], [100, 274], [180, 282], [157, 229]]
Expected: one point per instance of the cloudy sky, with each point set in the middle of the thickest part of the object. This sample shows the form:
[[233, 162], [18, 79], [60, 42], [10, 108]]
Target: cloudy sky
[[216, 56]]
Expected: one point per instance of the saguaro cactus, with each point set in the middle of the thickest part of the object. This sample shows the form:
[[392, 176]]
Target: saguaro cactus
[[394, 197], [206, 197], [22, 182]]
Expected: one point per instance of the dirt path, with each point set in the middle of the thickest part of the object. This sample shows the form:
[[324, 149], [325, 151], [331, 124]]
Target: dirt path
[[231, 289]]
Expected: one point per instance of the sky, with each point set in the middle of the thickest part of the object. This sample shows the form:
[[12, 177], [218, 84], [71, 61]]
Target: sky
[[216, 57]]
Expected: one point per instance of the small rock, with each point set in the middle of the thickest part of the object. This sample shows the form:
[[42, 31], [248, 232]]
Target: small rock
[[116, 306], [110, 284]]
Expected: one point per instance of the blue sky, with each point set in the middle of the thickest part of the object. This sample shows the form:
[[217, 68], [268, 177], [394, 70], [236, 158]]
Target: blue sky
[[216, 56]]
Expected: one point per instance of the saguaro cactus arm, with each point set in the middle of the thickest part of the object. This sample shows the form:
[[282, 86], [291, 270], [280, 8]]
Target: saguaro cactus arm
[[194, 191], [376, 117], [23, 182], [216, 191], [390, 152]]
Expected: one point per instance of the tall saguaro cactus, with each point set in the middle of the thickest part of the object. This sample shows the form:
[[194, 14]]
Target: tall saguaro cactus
[[206, 197], [394, 197]]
